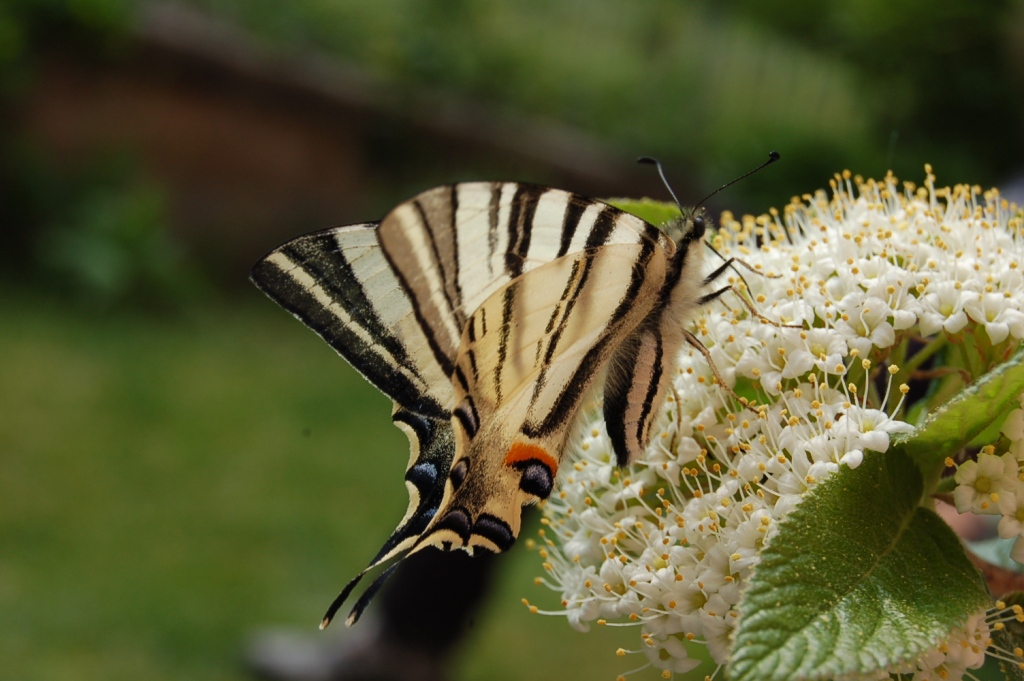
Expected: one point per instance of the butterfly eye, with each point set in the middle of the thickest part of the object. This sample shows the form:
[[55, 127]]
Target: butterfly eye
[[537, 479], [699, 226], [458, 473]]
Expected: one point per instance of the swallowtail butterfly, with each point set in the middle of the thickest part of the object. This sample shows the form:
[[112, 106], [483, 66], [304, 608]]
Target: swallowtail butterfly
[[488, 312]]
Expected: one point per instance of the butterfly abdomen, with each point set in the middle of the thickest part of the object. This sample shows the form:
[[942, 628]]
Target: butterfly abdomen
[[645, 363]]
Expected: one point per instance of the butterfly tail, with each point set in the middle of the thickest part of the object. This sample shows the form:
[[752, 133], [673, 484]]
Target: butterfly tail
[[432, 447], [367, 596], [371, 591], [341, 598]]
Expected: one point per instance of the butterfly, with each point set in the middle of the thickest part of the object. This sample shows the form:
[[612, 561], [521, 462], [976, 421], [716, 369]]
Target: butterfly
[[489, 313]]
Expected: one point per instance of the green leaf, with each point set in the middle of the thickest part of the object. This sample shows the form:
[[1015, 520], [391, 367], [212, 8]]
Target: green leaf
[[966, 415], [655, 212], [1011, 637], [859, 577]]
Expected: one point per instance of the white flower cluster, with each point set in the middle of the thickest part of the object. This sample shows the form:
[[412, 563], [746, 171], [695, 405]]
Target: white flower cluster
[[994, 484], [666, 546]]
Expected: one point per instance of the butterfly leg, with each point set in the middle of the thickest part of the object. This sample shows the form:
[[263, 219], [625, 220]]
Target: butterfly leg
[[727, 263], [714, 295], [711, 278], [699, 347], [731, 261]]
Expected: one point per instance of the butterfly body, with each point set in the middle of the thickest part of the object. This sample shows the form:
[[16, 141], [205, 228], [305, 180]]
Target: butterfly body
[[489, 312]]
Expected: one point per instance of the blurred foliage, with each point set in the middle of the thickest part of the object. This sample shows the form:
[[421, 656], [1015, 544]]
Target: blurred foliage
[[655, 212], [706, 90], [111, 246], [27, 26], [707, 87], [99, 233], [866, 85], [946, 77], [98, 236], [170, 484]]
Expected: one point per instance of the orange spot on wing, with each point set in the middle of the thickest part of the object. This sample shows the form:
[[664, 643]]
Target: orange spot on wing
[[522, 451]]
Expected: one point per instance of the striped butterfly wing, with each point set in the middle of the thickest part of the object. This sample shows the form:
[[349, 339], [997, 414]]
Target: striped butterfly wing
[[453, 247], [394, 299], [530, 355], [338, 283]]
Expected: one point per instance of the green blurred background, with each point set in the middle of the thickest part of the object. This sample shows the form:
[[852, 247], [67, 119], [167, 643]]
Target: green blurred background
[[180, 462]]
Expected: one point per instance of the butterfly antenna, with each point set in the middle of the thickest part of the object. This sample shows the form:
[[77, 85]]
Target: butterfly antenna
[[773, 156], [661, 171]]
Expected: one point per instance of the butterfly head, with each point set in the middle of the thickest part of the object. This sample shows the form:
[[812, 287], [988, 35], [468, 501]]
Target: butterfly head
[[693, 222], [690, 226]]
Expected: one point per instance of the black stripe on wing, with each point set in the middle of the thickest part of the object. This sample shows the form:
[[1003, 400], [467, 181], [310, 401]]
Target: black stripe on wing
[[603, 226], [493, 208], [632, 390], [520, 226], [361, 338], [432, 332], [573, 392], [559, 319], [449, 280], [507, 311], [573, 213]]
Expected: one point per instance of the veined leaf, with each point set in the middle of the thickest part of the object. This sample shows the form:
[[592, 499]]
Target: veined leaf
[[966, 415], [858, 578]]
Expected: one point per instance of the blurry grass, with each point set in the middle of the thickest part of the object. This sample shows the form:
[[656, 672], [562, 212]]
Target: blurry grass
[[169, 485]]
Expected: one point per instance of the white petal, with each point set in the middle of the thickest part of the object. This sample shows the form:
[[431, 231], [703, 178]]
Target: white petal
[[997, 332], [1013, 427], [1009, 527], [903, 319], [963, 498], [956, 323], [876, 440], [854, 457], [930, 323]]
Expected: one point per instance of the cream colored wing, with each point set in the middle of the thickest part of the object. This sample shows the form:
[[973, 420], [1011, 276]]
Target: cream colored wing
[[530, 355]]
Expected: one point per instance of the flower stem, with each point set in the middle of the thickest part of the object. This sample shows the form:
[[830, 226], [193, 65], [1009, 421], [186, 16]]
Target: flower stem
[[921, 356]]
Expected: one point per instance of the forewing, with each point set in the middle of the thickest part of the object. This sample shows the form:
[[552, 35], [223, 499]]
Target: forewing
[[452, 247], [338, 283], [393, 298]]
